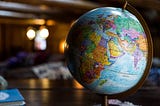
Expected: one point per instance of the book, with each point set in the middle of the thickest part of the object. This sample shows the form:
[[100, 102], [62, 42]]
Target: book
[[11, 97]]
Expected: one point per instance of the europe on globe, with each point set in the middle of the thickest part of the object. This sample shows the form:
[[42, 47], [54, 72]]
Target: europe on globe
[[107, 50]]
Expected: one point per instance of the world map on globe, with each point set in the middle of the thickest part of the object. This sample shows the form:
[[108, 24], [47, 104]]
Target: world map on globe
[[107, 50]]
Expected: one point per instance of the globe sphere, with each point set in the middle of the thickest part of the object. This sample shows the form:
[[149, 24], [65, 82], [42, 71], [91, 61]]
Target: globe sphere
[[107, 50]]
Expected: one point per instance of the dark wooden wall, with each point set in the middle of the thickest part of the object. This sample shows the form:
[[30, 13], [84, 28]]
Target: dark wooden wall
[[156, 45], [13, 38]]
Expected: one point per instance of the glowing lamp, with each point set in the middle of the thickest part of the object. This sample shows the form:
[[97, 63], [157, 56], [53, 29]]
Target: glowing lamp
[[44, 33], [31, 34]]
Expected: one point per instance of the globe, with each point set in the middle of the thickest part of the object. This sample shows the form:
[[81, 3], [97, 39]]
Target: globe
[[108, 51]]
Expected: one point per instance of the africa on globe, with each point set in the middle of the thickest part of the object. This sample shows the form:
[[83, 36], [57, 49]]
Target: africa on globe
[[107, 50]]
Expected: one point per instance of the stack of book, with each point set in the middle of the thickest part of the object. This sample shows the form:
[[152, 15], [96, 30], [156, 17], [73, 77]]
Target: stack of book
[[11, 97]]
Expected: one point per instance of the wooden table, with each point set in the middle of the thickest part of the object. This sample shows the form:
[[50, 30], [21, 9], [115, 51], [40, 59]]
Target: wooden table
[[44, 92]]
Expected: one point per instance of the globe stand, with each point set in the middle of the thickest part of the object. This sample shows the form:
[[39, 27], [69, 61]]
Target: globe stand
[[104, 100], [101, 100]]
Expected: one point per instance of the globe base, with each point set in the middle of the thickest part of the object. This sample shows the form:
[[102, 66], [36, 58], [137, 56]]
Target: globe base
[[104, 100]]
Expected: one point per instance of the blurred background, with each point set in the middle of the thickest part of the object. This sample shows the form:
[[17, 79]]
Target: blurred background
[[33, 34]]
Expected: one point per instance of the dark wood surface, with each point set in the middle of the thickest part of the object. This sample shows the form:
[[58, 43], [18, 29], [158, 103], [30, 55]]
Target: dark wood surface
[[44, 92]]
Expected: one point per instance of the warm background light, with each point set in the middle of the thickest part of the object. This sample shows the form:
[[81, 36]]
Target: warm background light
[[44, 33], [50, 22], [62, 46], [77, 85], [31, 34]]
